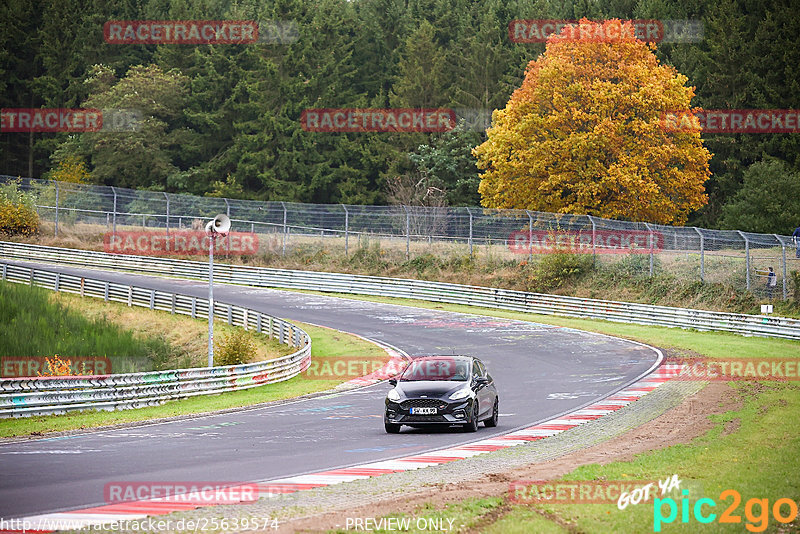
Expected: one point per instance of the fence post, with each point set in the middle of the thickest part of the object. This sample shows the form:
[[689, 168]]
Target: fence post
[[470, 231], [346, 229], [228, 213], [746, 257], [530, 235], [594, 235], [702, 254], [783, 265], [408, 232], [56, 233], [167, 221], [114, 217], [650, 243], [284, 227]]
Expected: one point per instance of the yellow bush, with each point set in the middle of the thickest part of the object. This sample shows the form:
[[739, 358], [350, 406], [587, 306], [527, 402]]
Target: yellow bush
[[235, 348], [17, 212]]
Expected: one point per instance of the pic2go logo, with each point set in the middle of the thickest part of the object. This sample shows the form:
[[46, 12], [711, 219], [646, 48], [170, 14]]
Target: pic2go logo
[[702, 514]]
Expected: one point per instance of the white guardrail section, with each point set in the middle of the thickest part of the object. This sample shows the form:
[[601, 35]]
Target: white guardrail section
[[505, 299], [23, 397]]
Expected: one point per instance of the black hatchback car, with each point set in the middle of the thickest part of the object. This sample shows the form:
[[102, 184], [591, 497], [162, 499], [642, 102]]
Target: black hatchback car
[[442, 390]]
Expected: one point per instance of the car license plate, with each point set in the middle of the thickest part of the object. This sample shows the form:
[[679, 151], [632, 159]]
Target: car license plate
[[423, 411]]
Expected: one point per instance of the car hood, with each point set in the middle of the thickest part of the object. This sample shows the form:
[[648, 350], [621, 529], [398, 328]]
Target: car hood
[[432, 388]]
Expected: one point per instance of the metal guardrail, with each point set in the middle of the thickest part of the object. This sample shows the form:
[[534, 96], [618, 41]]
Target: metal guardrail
[[744, 324], [22, 397]]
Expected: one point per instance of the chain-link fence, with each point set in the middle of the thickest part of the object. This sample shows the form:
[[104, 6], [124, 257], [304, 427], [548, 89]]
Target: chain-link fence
[[737, 258]]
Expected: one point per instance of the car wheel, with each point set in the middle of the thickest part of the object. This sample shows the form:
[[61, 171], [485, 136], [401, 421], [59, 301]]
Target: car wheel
[[391, 428], [472, 426], [492, 421]]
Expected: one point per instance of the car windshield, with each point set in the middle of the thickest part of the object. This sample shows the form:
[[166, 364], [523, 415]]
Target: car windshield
[[441, 369]]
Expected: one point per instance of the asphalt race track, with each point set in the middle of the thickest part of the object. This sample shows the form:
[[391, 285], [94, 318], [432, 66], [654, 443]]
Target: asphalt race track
[[541, 371]]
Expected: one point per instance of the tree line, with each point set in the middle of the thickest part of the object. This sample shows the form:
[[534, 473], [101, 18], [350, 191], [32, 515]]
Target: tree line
[[224, 119]]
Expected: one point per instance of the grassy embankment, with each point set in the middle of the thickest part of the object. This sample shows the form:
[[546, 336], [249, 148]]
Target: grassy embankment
[[37, 322]]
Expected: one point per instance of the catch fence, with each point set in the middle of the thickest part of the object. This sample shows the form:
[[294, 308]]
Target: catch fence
[[740, 259]]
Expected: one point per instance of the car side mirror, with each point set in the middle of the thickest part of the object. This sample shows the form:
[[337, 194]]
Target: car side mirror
[[393, 381], [481, 380]]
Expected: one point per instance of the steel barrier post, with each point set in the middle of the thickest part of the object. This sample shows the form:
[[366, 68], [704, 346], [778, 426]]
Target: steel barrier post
[[167, 221], [284, 227], [530, 235], [746, 257], [228, 213], [56, 233], [346, 229], [650, 243], [702, 254], [114, 217], [783, 265], [408, 233], [470, 231]]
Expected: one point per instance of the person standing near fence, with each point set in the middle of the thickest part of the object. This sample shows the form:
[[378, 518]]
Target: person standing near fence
[[772, 282], [796, 239]]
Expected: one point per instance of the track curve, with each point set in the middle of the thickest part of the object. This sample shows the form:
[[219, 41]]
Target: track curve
[[542, 371]]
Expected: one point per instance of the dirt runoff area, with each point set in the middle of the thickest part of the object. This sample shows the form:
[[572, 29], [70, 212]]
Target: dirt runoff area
[[678, 425]]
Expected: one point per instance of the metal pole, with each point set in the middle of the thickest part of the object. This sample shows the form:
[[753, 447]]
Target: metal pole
[[783, 265], [114, 217], [56, 209], [284, 227], [746, 256], [594, 240], [346, 229], [167, 222], [470, 231], [650, 243], [408, 233], [702, 254], [211, 240], [530, 236]]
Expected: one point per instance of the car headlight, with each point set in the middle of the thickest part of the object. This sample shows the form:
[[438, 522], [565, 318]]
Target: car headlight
[[393, 396], [461, 394]]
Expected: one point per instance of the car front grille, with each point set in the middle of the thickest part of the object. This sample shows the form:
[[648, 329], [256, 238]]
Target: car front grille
[[424, 403]]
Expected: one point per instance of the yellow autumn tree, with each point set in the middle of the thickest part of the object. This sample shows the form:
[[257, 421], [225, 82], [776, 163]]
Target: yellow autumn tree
[[583, 134], [71, 169]]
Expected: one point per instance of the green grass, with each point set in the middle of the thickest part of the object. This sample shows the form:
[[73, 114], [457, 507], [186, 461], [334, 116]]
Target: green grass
[[33, 324], [759, 459], [326, 343]]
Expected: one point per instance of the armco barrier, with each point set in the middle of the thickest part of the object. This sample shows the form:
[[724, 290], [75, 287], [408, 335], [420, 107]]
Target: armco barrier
[[748, 325], [22, 397]]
